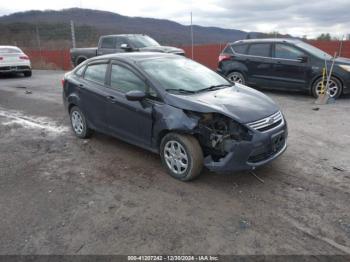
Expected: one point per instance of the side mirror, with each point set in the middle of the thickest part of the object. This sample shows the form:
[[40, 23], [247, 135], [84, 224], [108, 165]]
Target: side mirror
[[126, 47], [302, 59], [135, 95]]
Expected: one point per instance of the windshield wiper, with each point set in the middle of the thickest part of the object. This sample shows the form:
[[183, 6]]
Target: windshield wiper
[[184, 91], [214, 87]]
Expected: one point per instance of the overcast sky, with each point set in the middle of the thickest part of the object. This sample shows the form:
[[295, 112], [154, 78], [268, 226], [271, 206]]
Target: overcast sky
[[295, 17]]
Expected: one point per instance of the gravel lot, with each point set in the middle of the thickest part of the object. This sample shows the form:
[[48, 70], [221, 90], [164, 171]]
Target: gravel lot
[[62, 195]]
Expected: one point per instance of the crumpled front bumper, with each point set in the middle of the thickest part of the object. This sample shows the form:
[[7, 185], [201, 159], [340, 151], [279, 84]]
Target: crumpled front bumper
[[247, 155]]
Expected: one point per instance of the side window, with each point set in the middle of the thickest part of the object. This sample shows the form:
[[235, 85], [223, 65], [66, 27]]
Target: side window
[[262, 49], [79, 71], [96, 73], [228, 50], [124, 80], [240, 49], [287, 52], [108, 42], [119, 41]]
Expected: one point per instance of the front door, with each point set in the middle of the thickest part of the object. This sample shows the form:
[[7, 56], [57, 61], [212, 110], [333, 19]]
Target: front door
[[291, 67], [130, 120]]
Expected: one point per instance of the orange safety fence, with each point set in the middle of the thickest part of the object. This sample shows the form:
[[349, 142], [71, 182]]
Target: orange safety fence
[[205, 54]]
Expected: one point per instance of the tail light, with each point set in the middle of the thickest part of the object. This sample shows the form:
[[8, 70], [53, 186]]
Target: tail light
[[63, 82], [223, 57], [24, 57]]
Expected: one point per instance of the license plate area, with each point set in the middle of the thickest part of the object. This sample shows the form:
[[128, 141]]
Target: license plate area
[[278, 141]]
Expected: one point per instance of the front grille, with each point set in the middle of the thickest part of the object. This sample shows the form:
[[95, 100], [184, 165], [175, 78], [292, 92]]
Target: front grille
[[278, 142], [267, 123]]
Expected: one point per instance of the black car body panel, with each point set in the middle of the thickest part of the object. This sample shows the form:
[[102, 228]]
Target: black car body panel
[[222, 120], [273, 72]]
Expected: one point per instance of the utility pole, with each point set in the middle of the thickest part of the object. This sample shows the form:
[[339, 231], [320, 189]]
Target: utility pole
[[73, 33], [38, 42], [341, 45], [192, 36]]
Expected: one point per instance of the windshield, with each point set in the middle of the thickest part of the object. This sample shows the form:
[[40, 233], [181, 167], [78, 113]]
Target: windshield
[[179, 74], [313, 50], [10, 50], [140, 41]]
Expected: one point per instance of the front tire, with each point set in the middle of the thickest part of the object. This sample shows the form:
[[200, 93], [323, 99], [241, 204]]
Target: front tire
[[181, 156], [335, 87], [79, 124], [236, 77]]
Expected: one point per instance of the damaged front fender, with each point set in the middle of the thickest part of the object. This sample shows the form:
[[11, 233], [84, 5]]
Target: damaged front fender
[[216, 133]]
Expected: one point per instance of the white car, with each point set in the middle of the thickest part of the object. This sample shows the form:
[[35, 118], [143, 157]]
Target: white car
[[13, 60]]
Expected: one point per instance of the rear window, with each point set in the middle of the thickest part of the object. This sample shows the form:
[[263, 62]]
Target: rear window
[[262, 49], [10, 50], [108, 42], [228, 50], [96, 73], [240, 49]]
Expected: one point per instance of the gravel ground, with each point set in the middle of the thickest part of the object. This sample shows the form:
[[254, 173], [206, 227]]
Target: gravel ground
[[62, 195]]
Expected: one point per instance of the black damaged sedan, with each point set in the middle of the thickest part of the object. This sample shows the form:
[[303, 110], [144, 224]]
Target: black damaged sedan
[[178, 108]]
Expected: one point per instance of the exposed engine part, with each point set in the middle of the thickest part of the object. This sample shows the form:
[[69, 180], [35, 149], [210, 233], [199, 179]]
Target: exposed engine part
[[218, 132]]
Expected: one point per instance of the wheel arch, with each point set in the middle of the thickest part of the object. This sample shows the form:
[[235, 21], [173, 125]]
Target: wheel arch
[[237, 67], [164, 132], [317, 77], [80, 59]]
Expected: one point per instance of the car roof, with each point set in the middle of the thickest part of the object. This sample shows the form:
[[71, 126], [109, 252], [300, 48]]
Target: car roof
[[267, 40], [135, 56]]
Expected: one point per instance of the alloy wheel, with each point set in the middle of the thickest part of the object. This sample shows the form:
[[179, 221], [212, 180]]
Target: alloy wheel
[[176, 157], [236, 77], [77, 122], [333, 88]]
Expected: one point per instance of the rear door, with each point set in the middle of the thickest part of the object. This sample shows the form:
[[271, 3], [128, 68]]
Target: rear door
[[291, 66], [130, 120], [259, 62], [93, 94]]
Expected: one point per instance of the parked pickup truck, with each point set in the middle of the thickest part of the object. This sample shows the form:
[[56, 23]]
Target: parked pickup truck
[[121, 43]]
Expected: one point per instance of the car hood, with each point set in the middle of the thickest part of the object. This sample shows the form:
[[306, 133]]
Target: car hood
[[162, 49], [239, 102], [342, 61]]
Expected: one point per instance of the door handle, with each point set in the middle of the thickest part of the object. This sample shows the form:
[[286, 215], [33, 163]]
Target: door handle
[[111, 99], [81, 85]]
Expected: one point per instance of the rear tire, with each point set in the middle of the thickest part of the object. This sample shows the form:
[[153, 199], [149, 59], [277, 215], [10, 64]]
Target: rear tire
[[28, 73], [236, 77], [79, 124], [335, 87], [181, 156]]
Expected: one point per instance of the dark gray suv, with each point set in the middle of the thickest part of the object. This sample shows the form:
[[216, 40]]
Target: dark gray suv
[[283, 64]]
